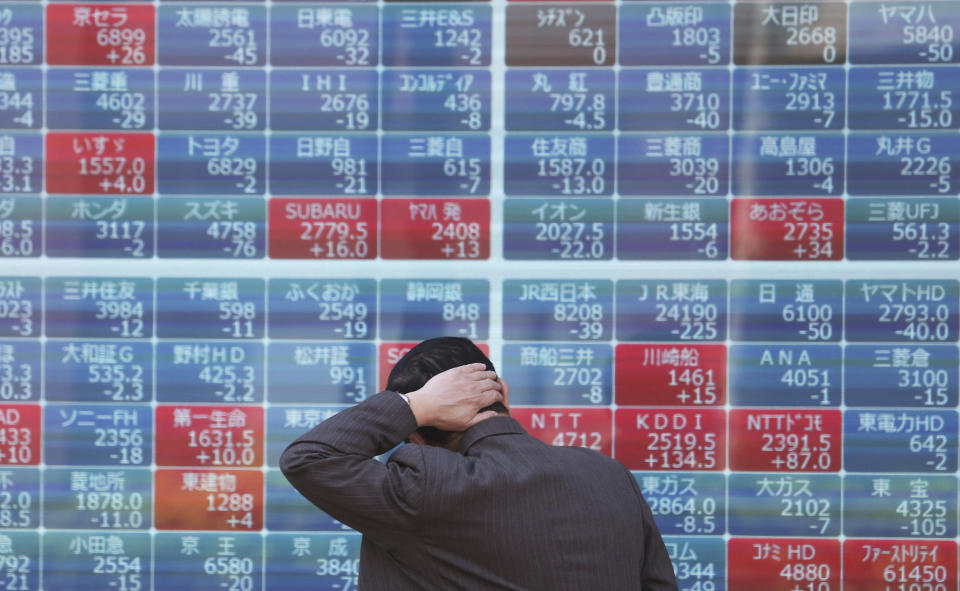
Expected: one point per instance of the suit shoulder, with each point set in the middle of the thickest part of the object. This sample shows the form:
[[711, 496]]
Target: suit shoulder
[[592, 457]]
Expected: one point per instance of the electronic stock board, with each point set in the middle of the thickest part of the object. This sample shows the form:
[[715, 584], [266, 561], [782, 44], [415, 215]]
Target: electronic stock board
[[716, 241]]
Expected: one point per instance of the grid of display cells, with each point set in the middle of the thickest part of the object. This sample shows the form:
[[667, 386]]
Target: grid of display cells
[[788, 434]]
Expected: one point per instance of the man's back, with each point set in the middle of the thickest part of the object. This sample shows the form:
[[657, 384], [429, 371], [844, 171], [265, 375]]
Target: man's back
[[505, 512]]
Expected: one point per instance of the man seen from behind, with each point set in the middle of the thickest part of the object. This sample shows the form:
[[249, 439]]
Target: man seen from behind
[[473, 502]]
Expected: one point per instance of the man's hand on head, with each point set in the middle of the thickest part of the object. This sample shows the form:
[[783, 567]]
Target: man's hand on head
[[451, 400]]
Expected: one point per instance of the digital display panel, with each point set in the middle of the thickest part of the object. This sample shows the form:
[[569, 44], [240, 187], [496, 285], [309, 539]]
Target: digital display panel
[[717, 241]]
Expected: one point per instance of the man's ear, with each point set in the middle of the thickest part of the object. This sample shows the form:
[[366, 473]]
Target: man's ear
[[505, 391], [417, 438]]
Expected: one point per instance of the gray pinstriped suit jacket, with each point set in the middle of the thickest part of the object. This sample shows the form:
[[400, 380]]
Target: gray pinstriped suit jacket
[[507, 512]]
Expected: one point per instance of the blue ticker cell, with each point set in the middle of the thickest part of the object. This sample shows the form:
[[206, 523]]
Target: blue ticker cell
[[21, 296], [210, 308], [21, 227], [656, 99], [785, 375], [98, 435], [560, 100], [85, 98], [99, 307], [903, 229], [436, 100], [917, 97], [21, 100], [558, 310], [75, 560], [559, 374], [558, 229], [890, 506], [901, 376], [101, 499], [329, 35], [882, 33], [199, 35], [313, 562], [694, 34], [555, 165], [288, 510], [100, 227], [889, 310], [21, 167], [214, 99], [23, 552], [698, 560], [324, 100], [891, 163], [19, 371], [681, 164], [685, 503], [211, 164], [672, 229], [900, 440], [805, 505], [98, 371], [344, 164], [211, 227], [321, 372], [436, 35], [674, 310], [415, 309], [20, 508], [789, 165], [450, 165], [788, 99], [786, 310], [322, 309], [176, 568], [23, 44], [210, 372], [285, 424]]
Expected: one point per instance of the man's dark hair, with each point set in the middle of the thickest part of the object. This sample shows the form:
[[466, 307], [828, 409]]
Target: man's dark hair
[[426, 360]]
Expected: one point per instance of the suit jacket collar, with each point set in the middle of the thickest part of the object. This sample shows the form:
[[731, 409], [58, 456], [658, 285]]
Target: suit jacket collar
[[499, 425]]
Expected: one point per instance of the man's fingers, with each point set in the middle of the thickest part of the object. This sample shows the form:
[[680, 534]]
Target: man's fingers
[[484, 375], [488, 397], [486, 385]]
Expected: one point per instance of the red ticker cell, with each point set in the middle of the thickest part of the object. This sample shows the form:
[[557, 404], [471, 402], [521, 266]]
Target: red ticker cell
[[684, 439], [435, 228], [786, 440], [20, 434], [323, 228], [209, 436], [100, 34], [100, 163], [671, 375], [783, 564], [579, 427], [230, 500], [869, 565], [390, 353], [786, 229]]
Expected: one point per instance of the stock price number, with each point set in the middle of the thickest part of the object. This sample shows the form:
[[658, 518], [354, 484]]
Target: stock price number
[[682, 451], [114, 510], [588, 319], [796, 452], [576, 176], [927, 517], [576, 240], [233, 503]]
